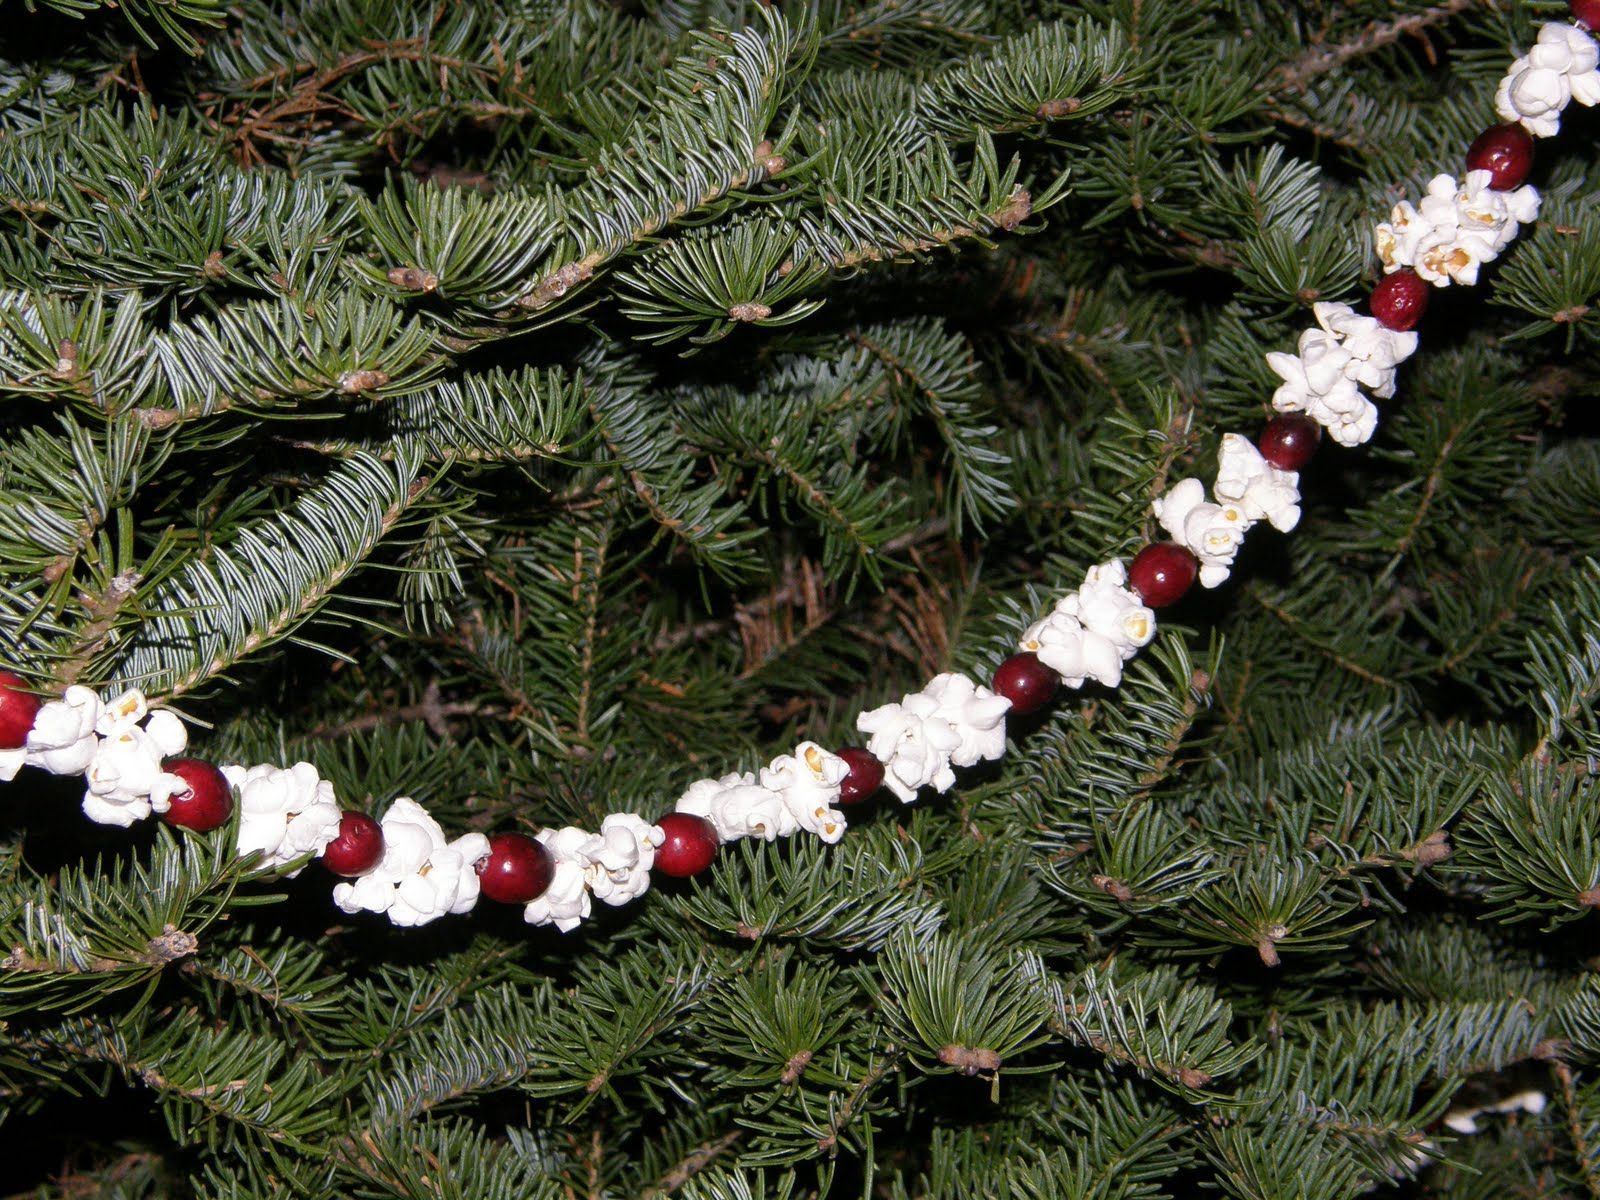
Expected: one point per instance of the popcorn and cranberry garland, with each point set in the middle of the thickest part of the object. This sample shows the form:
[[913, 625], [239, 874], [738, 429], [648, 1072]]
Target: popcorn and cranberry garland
[[405, 868]]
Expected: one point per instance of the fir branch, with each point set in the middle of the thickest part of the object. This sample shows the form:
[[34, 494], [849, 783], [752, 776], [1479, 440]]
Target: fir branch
[[692, 1163], [268, 580], [1321, 60]]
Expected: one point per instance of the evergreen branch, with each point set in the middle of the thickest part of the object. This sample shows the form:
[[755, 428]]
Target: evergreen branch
[[840, 1115], [1256, 593], [171, 945], [1588, 1156], [268, 580], [692, 1163], [1320, 60]]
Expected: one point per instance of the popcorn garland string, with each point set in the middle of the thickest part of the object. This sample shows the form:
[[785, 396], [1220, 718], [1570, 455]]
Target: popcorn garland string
[[404, 866]]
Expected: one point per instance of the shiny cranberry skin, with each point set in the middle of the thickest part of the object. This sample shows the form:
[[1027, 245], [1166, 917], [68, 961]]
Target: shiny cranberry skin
[[358, 846], [690, 845], [1289, 441], [1506, 152], [18, 708], [1400, 299], [1586, 13], [865, 777], [1161, 573], [516, 870], [208, 801], [1026, 682]]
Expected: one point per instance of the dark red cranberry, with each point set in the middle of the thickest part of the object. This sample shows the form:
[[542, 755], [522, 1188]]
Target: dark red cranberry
[[1400, 299], [358, 846], [1161, 573], [1586, 13], [1289, 441], [516, 870], [690, 845], [1026, 682], [206, 803], [18, 708], [865, 777], [1506, 152]]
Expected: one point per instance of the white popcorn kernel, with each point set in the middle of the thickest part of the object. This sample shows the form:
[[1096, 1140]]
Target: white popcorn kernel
[[913, 742], [1259, 489], [1454, 231], [1213, 532], [1559, 68], [284, 812], [620, 857], [62, 740], [737, 806], [1093, 630], [1072, 652], [565, 903], [125, 780], [807, 782], [421, 877], [1375, 350], [976, 714]]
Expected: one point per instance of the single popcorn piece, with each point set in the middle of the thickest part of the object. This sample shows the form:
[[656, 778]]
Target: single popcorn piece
[[565, 903], [1260, 490], [1561, 67], [913, 742], [1093, 630], [1315, 370], [125, 779], [807, 782], [62, 740], [1072, 652], [421, 877], [975, 713], [620, 857], [1214, 532], [737, 806], [284, 812]]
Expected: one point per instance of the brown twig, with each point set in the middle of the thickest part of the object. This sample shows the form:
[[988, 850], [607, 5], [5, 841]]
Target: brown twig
[[1320, 60]]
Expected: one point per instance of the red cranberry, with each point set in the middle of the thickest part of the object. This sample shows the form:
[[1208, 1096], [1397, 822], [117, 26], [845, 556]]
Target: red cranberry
[[1289, 441], [865, 777], [358, 846], [1586, 13], [208, 800], [1026, 682], [18, 708], [1161, 573], [517, 869], [1400, 299], [1506, 152], [690, 845]]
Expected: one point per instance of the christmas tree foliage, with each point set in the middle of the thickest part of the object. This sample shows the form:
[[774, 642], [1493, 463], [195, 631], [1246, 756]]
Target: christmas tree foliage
[[532, 407]]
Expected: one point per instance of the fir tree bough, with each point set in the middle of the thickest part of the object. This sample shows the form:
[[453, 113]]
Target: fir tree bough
[[534, 406]]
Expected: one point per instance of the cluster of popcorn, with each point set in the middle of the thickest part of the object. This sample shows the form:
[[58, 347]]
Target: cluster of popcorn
[[1345, 353], [796, 791], [612, 865], [118, 746], [1561, 67], [1093, 630], [1248, 489], [1455, 229], [421, 876], [953, 722]]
